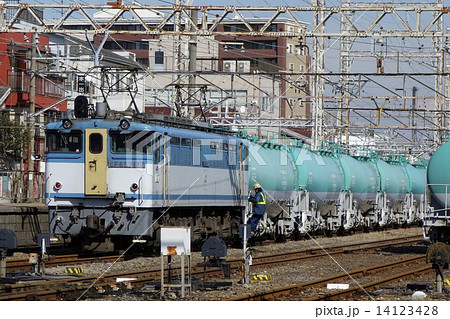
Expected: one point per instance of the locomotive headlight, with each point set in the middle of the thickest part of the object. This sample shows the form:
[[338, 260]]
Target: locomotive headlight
[[124, 124], [67, 124], [134, 187], [57, 185]]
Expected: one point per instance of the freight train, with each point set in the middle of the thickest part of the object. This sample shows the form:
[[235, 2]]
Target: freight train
[[437, 216], [334, 191], [116, 177]]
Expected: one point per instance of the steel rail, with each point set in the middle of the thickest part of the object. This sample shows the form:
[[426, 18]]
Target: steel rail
[[52, 290], [351, 291], [278, 292], [53, 261]]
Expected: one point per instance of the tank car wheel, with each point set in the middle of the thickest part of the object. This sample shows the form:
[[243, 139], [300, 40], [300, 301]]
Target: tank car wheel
[[296, 235], [279, 238]]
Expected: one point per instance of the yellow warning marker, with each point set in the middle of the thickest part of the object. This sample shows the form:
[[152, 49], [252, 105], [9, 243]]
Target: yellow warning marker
[[74, 271], [261, 277], [447, 282]]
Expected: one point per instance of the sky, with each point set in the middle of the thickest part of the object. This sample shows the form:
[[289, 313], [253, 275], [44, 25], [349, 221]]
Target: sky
[[332, 45], [272, 3], [231, 2]]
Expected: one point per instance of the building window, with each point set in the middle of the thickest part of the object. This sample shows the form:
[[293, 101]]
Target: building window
[[267, 104], [159, 57], [161, 98], [290, 49]]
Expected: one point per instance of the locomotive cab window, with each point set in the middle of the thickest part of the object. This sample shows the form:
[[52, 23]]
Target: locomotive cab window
[[174, 140], [225, 146], [64, 142], [186, 142], [136, 142], [95, 143]]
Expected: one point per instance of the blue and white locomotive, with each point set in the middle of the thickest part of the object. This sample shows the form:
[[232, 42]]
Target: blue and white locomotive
[[114, 176]]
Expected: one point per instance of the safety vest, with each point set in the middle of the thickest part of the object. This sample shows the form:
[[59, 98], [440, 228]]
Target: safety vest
[[263, 200]]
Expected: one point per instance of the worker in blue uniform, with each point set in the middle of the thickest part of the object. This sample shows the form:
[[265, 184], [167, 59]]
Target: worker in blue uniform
[[258, 206]]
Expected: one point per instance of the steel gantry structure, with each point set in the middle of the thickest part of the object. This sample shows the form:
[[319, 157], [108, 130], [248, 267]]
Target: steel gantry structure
[[366, 59]]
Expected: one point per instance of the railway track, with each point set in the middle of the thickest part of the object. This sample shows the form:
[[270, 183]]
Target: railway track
[[333, 250], [53, 261], [71, 288], [289, 291]]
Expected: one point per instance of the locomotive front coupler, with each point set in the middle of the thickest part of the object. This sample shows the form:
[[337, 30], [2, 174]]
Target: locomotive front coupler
[[119, 199], [74, 216]]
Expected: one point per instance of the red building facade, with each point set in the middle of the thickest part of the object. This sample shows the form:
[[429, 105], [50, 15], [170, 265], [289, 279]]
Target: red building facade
[[16, 54], [15, 73]]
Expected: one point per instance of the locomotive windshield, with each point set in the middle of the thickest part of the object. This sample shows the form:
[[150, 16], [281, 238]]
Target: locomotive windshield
[[64, 142], [140, 142]]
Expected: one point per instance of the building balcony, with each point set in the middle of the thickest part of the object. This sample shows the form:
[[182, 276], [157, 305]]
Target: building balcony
[[20, 82]]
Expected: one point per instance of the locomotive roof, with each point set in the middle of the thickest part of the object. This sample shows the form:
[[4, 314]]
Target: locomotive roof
[[160, 126]]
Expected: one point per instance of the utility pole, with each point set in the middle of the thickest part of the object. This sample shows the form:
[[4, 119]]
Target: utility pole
[[185, 59], [344, 80], [177, 53], [412, 116], [438, 63], [318, 82], [30, 163], [192, 63]]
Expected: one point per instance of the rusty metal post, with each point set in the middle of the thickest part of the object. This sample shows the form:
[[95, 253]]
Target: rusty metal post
[[2, 263], [183, 280], [30, 150], [246, 251], [162, 276]]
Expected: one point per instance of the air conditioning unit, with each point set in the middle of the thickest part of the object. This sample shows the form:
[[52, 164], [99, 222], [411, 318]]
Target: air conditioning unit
[[243, 66], [229, 66]]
